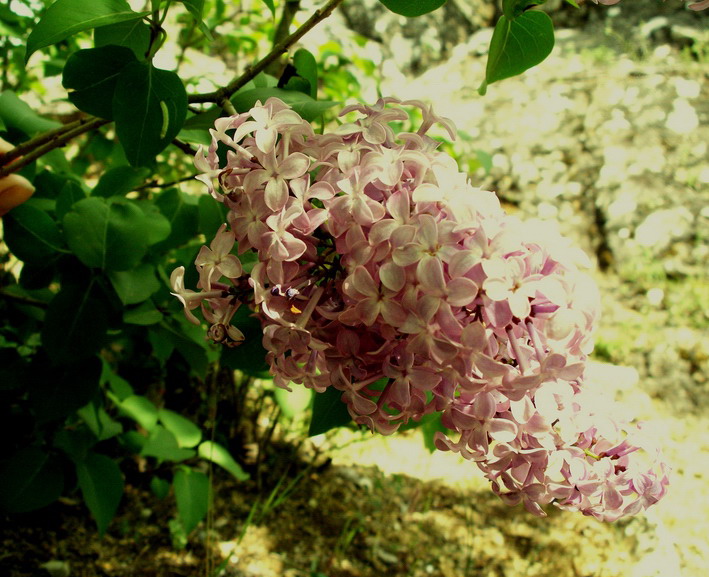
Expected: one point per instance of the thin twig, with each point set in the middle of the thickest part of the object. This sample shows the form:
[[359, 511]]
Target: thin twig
[[224, 93], [59, 139], [38, 140]]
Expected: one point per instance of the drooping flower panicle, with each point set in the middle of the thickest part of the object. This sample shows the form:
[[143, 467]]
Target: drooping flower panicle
[[384, 274]]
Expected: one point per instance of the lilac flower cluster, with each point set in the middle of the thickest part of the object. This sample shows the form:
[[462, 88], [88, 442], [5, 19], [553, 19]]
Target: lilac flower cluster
[[383, 273]]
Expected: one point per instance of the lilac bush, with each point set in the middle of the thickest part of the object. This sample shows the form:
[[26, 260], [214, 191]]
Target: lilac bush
[[383, 273]]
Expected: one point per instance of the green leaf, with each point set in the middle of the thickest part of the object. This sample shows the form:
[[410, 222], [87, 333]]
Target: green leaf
[[517, 45], [162, 444], [211, 215], [192, 496], [101, 484], [140, 409], [185, 431], [329, 411], [218, 455], [31, 234], [412, 9], [76, 323], [107, 234], [133, 34], [196, 9], [295, 402], [149, 107], [70, 194], [159, 487], [270, 5], [30, 479], [307, 67], [56, 391], [120, 180], [182, 216], [158, 226], [303, 104], [75, 443], [99, 422], [91, 76], [135, 285], [144, 314], [18, 115], [65, 18]]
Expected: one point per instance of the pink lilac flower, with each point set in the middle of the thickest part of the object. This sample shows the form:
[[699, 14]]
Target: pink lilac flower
[[384, 274]]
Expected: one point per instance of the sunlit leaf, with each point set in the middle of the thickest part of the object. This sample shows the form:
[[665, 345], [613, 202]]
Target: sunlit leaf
[[517, 45], [218, 454], [186, 432], [65, 18], [192, 496]]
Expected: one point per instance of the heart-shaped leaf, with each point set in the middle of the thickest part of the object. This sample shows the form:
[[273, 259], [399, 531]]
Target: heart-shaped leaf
[[149, 107], [517, 45], [412, 9], [91, 76]]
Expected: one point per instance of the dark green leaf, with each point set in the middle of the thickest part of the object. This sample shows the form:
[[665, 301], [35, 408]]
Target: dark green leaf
[[307, 67], [120, 180], [517, 45], [218, 455], [329, 411], [133, 34], [99, 422], [183, 218], [135, 285], [91, 76], [101, 484], [411, 9], [75, 443], [70, 194], [192, 496], [31, 234], [30, 479], [57, 391], [144, 314], [158, 226], [18, 115], [185, 431], [303, 104], [65, 18], [107, 234], [211, 215], [159, 487], [75, 324], [149, 107]]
